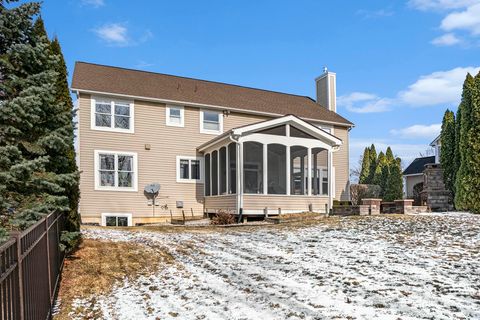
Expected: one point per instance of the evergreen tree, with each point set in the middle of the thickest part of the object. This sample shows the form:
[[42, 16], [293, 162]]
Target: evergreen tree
[[30, 121], [394, 184], [381, 173], [447, 156], [468, 176], [65, 162], [373, 164], [365, 172], [457, 141], [389, 157]]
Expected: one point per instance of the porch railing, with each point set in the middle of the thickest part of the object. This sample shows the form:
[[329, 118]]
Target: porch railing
[[30, 267]]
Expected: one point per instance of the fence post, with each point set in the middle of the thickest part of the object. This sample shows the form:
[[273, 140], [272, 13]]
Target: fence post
[[18, 236], [47, 247]]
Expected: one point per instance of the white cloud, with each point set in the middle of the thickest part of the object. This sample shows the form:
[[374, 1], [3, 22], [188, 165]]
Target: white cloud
[[361, 102], [117, 34], [442, 87], [418, 131], [113, 33], [441, 4], [93, 3], [448, 39], [468, 20]]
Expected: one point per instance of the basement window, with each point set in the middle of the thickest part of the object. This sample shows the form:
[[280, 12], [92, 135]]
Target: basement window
[[117, 219]]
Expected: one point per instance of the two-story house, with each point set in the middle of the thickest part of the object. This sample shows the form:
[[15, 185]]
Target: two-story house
[[209, 145]]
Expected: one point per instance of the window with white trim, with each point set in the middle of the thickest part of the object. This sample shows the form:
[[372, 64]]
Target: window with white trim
[[115, 171], [189, 169], [112, 115], [175, 116], [211, 122], [117, 219]]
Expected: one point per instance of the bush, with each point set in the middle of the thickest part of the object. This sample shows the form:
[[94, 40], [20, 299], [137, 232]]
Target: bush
[[69, 241], [223, 217], [363, 191]]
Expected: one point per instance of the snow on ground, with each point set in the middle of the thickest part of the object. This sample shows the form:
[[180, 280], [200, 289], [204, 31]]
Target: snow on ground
[[379, 267]]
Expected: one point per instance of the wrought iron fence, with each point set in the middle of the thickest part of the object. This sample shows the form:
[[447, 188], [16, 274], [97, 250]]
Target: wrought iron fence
[[30, 267]]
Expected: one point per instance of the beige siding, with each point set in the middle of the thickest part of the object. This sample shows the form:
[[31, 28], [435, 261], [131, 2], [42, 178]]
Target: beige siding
[[159, 164], [297, 203], [155, 165], [221, 202], [341, 164]]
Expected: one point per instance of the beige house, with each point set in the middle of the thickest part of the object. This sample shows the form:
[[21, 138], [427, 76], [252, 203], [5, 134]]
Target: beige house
[[209, 145]]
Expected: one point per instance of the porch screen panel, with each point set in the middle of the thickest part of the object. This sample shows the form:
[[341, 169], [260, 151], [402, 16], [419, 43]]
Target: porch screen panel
[[253, 167], [319, 171], [298, 170], [232, 168], [214, 173], [207, 174], [277, 170], [223, 170]]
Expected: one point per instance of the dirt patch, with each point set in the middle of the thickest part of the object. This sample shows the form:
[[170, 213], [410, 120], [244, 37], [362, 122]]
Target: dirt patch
[[98, 266]]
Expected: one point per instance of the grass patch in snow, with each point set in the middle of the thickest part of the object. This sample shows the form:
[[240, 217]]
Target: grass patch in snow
[[98, 266]]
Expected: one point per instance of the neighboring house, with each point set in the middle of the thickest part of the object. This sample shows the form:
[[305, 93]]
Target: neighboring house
[[413, 174], [210, 146]]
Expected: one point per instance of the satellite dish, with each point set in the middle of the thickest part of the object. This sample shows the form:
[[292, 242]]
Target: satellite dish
[[152, 189]]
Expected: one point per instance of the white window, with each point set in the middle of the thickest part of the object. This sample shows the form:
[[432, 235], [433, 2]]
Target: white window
[[189, 169], [211, 122], [326, 128], [115, 170], [112, 115], [175, 116], [117, 219]]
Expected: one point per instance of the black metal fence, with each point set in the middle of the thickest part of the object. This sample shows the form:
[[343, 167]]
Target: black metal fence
[[30, 266]]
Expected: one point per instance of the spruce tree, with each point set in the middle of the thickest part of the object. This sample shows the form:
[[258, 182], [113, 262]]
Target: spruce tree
[[365, 172], [30, 121], [389, 157], [447, 156], [373, 164]]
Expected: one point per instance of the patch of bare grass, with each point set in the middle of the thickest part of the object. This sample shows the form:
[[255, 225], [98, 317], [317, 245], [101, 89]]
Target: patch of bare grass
[[97, 266]]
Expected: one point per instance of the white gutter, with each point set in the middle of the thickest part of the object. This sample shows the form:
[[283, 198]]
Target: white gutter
[[193, 104]]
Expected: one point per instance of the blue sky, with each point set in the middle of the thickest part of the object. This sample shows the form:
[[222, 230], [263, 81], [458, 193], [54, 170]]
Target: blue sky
[[399, 64]]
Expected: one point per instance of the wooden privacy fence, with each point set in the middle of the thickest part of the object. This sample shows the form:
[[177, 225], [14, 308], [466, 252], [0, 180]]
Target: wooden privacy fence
[[30, 266]]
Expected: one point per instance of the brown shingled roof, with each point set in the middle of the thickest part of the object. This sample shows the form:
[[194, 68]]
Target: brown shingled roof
[[100, 78]]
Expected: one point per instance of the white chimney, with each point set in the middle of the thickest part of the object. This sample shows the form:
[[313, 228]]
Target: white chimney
[[327, 90]]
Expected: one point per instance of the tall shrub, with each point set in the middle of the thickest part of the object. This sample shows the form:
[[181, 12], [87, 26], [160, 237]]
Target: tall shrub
[[447, 156], [365, 171], [394, 184], [373, 164]]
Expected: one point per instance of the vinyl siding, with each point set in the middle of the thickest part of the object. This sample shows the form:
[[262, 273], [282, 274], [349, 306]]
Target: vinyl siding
[[221, 202], [298, 203], [342, 167]]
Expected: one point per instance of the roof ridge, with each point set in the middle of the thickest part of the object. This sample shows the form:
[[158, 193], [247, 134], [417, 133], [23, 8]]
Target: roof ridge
[[196, 79]]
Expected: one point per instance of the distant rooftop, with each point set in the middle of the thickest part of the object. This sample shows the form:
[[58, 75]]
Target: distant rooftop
[[418, 165]]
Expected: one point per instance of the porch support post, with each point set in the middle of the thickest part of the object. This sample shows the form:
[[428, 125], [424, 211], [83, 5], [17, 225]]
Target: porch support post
[[330, 168], [309, 171], [239, 176], [288, 164], [210, 172], [227, 170], [265, 169]]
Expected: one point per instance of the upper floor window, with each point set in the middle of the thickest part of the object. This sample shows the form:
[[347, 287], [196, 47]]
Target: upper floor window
[[211, 122], [115, 170], [189, 169], [112, 115], [175, 116]]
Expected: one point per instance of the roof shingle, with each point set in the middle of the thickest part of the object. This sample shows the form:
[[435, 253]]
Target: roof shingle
[[418, 165], [100, 78]]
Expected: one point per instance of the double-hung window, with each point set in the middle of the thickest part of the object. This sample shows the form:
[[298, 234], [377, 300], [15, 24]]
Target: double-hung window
[[175, 116], [115, 171], [112, 115], [189, 169], [211, 122]]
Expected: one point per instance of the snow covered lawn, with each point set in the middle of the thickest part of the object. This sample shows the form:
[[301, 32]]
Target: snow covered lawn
[[379, 267]]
